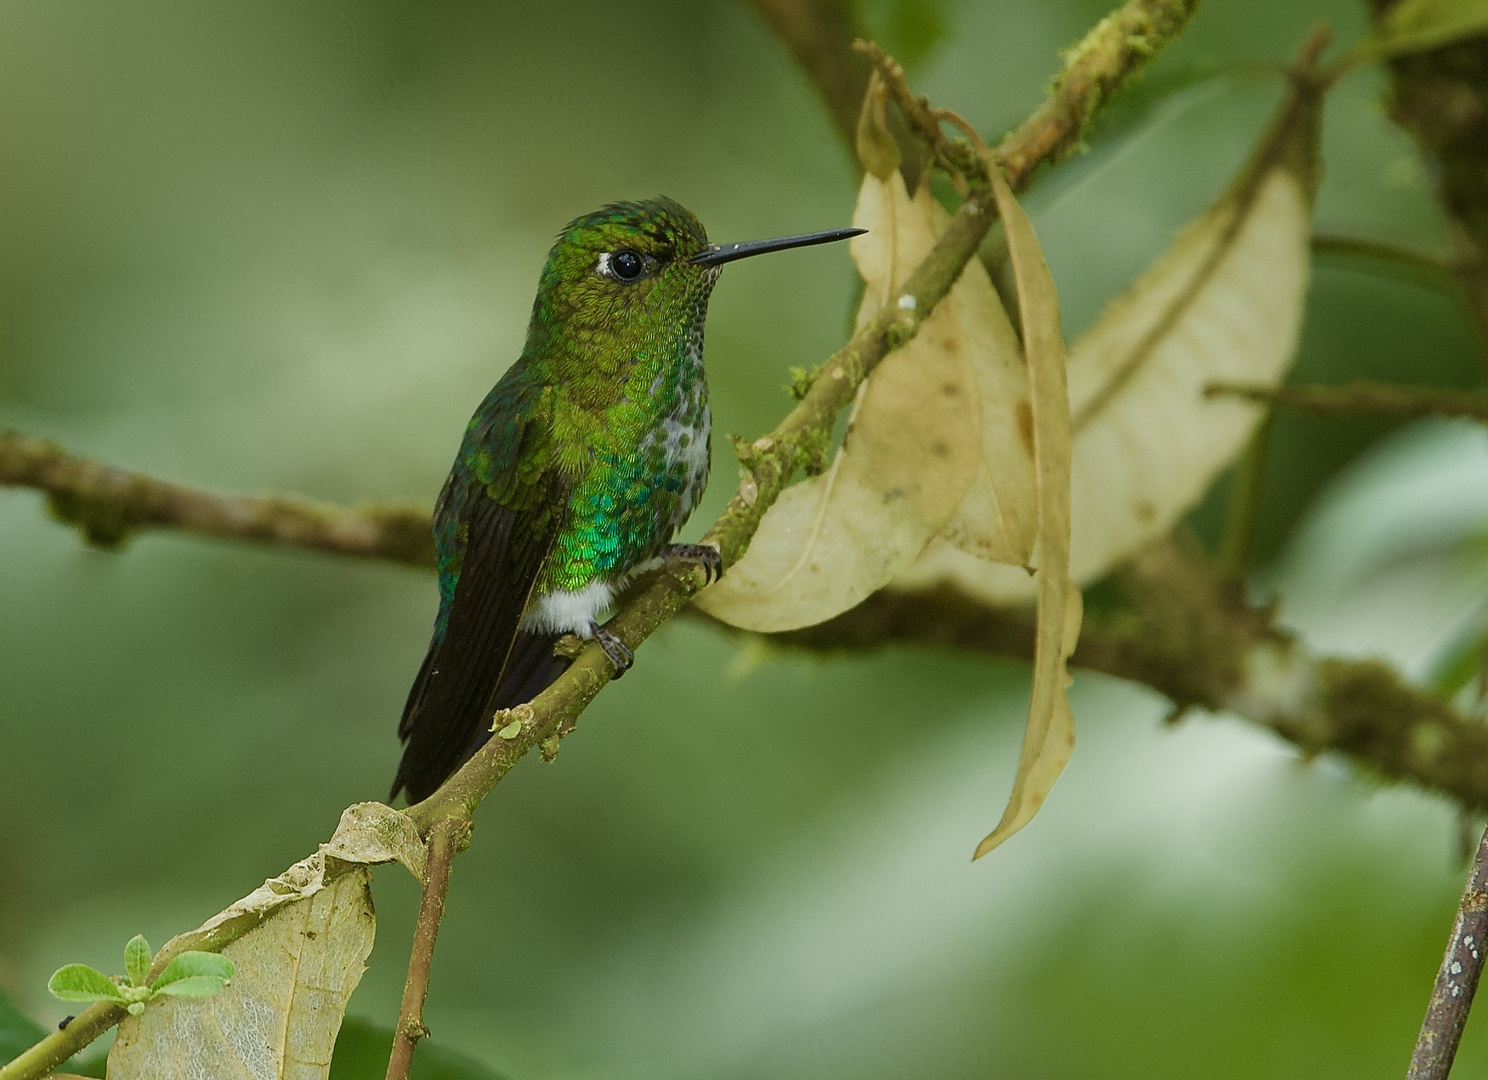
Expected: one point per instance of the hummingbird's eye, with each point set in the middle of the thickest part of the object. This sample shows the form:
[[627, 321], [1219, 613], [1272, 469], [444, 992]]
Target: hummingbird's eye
[[627, 265]]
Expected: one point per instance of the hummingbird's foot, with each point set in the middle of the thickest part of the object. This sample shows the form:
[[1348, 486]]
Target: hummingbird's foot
[[619, 653], [705, 555]]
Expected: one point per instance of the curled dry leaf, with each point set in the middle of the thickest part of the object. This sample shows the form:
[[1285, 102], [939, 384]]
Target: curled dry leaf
[[373, 832], [1223, 303], [910, 453], [279, 1016], [1049, 738]]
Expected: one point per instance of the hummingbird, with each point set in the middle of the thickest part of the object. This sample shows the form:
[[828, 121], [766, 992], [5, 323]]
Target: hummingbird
[[574, 473]]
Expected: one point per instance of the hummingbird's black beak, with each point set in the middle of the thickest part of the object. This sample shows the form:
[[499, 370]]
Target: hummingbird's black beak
[[718, 254]]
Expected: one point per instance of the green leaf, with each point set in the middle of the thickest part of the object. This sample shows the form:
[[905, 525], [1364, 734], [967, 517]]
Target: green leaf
[[17, 1030], [79, 982], [362, 1051], [193, 986], [191, 965], [137, 957], [1417, 25]]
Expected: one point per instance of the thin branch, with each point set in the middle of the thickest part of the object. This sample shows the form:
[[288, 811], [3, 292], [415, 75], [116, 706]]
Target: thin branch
[[1456, 980], [445, 839], [1117, 50], [1436, 270], [1362, 396], [769, 463], [108, 503]]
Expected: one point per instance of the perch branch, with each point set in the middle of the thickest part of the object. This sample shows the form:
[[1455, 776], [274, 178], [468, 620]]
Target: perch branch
[[1362, 396]]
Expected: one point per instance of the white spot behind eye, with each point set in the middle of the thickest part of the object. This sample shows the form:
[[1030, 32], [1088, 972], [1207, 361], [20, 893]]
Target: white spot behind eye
[[604, 265]]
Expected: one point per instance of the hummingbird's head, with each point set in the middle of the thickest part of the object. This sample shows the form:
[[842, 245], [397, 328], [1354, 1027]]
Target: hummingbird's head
[[633, 276], [622, 266]]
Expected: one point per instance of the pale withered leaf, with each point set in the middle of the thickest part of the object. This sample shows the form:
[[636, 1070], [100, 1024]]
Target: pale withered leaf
[[278, 1017], [1049, 739], [1223, 304], [372, 832], [911, 450], [998, 517]]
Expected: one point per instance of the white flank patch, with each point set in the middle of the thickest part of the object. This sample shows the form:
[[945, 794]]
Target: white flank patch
[[563, 611]]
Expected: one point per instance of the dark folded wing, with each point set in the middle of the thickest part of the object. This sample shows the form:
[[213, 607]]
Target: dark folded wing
[[496, 530]]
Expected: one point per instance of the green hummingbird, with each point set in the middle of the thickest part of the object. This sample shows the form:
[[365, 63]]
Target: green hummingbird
[[574, 473]]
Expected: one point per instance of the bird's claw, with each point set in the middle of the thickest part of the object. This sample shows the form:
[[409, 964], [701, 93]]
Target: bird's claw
[[619, 653], [705, 555]]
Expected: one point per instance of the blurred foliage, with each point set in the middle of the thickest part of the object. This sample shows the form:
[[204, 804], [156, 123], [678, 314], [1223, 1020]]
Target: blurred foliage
[[288, 247]]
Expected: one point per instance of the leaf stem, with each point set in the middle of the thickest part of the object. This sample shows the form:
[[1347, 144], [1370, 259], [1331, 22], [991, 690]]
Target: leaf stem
[[446, 838]]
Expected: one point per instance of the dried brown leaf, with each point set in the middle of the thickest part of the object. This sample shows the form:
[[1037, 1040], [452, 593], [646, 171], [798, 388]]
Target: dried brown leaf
[[1223, 304], [1049, 739]]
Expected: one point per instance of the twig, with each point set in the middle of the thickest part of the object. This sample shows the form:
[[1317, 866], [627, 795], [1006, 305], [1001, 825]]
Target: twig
[[1245, 502], [1114, 52], [1456, 980], [1362, 396], [445, 839], [108, 503], [58, 1046], [1437, 270]]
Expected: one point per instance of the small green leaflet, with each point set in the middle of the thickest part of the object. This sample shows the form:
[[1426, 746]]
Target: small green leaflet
[[191, 974]]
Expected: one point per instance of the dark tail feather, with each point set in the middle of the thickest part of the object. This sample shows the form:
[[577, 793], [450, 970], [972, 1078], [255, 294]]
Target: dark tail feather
[[438, 746]]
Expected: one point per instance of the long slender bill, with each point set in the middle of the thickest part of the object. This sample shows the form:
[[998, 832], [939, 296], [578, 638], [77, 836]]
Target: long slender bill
[[719, 254]]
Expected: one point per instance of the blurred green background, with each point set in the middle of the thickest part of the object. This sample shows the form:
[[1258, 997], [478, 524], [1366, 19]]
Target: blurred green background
[[277, 246]]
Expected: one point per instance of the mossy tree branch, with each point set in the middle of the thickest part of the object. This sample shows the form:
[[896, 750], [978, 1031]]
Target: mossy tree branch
[[107, 504]]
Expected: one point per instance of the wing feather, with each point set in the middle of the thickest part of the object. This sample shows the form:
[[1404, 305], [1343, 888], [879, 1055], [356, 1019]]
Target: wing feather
[[497, 518]]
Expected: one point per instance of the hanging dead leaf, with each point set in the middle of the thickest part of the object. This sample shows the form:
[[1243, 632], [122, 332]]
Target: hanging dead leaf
[[998, 517], [1223, 304], [910, 453], [1049, 738], [278, 1017]]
